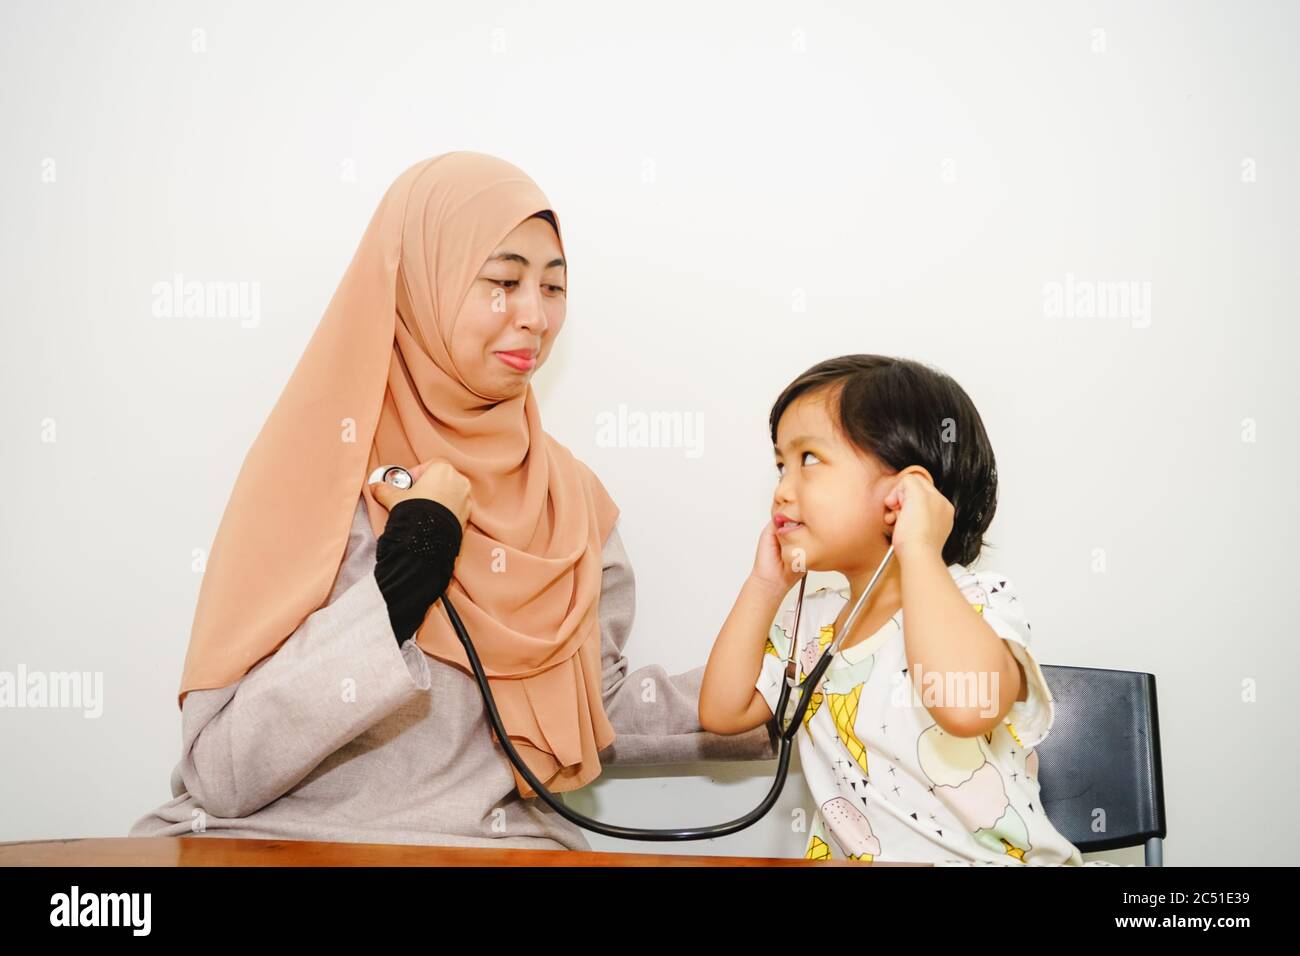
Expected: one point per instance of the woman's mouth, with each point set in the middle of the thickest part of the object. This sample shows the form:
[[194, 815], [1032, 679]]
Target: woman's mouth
[[521, 360]]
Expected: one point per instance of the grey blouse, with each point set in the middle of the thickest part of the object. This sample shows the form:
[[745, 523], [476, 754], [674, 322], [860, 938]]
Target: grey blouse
[[341, 735]]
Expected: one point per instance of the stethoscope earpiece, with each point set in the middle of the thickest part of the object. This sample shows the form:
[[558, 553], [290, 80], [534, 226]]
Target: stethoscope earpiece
[[395, 475]]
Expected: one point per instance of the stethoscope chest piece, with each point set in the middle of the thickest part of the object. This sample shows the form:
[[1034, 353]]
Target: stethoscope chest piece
[[395, 475]]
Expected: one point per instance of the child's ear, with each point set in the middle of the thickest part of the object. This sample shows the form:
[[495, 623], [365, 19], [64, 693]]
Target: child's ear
[[918, 470]]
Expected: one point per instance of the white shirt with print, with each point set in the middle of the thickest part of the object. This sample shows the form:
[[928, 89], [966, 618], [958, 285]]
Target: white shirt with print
[[888, 783]]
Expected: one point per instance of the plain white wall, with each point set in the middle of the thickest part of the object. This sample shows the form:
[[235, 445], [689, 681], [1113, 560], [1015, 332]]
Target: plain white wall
[[746, 189]]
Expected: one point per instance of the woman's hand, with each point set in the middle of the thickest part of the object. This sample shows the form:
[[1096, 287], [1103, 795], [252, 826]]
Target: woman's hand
[[438, 481], [920, 517], [770, 568]]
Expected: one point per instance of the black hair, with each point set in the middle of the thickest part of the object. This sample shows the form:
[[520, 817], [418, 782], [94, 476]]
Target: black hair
[[549, 217], [905, 413]]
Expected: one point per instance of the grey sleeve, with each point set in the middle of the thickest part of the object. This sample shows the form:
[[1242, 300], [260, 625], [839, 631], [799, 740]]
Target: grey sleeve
[[655, 716], [338, 674]]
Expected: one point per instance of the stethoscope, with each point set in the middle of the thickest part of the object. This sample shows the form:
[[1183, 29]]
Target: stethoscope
[[399, 477]]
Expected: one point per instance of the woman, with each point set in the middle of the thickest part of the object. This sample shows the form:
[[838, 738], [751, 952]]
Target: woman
[[324, 697]]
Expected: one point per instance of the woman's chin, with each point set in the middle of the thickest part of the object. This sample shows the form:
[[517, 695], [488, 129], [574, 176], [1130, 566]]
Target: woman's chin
[[500, 389]]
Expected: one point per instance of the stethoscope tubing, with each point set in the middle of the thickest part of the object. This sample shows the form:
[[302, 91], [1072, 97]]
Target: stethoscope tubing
[[609, 829], [781, 737]]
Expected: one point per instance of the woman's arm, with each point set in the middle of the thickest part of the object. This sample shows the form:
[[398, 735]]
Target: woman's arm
[[338, 674], [655, 715]]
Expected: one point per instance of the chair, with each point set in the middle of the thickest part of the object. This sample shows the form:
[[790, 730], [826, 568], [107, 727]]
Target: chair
[[1103, 752]]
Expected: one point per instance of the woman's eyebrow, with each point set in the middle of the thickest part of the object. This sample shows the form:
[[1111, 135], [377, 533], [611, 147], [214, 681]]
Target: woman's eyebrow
[[516, 257]]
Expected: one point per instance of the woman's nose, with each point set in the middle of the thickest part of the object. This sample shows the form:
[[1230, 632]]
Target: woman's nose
[[530, 313]]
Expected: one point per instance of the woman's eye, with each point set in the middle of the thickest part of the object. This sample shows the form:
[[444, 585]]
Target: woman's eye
[[810, 453], [505, 283], [555, 289]]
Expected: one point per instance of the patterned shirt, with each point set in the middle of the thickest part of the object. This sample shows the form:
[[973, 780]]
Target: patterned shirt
[[889, 784]]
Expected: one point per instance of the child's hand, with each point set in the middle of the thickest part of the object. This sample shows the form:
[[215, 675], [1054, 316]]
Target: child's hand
[[770, 568], [920, 517]]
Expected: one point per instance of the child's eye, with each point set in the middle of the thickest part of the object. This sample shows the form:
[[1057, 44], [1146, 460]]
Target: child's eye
[[801, 454]]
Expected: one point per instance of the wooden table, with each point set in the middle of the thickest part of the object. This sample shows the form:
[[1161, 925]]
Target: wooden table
[[223, 851]]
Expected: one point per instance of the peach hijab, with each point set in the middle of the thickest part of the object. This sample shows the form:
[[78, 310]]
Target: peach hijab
[[377, 385]]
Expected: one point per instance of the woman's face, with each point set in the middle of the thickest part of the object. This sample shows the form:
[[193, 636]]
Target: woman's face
[[514, 305]]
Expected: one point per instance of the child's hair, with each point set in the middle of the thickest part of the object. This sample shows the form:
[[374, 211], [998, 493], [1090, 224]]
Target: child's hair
[[905, 413]]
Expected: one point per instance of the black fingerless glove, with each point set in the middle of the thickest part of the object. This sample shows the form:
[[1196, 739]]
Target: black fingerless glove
[[414, 559]]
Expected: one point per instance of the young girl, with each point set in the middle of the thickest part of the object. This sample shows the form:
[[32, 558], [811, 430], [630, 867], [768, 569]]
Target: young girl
[[918, 744]]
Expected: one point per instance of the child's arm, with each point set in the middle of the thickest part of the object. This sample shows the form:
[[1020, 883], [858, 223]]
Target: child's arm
[[729, 701], [943, 634]]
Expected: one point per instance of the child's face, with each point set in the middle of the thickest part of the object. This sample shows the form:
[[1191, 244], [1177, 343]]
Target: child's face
[[836, 492]]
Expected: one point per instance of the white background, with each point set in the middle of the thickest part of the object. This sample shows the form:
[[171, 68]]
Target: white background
[[746, 189]]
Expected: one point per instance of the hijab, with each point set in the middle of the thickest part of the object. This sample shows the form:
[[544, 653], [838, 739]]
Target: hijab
[[376, 385]]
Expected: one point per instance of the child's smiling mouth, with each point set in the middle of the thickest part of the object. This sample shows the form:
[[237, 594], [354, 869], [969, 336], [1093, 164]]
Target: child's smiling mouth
[[786, 525]]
